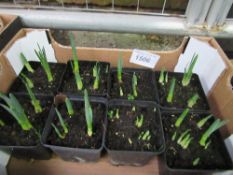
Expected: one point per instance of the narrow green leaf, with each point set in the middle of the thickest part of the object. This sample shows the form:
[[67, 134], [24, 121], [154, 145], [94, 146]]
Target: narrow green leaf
[[166, 78], [171, 90], [26, 63], [196, 161], [203, 121], [34, 101], [110, 114], [186, 142], [62, 122], [78, 78], [2, 123], [130, 97], [134, 85], [121, 92], [88, 114], [5, 98], [139, 121], [181, 117], [69, 107], [146, 135], [28, 80], [95, 70], [117, 115], [41, 54], [74, 52], [188, 72], [106, 69], [133, 109], [119, 69], [174, 136], [60, 135], [97, 77], [140, 135], [207, 144], [161, 76], [213, 127], [193, 100], [183, 135], [130, 141], [17, 111]]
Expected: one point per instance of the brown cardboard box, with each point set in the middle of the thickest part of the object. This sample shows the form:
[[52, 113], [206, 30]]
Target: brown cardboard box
[[220, 97], [11, 25]]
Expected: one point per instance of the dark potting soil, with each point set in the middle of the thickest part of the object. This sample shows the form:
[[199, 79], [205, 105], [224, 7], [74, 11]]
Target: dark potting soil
[[145, 85], [69, 86], [13, 135], [40, 80], [77, 136], [181, 94], [214, 157], [121, 131]]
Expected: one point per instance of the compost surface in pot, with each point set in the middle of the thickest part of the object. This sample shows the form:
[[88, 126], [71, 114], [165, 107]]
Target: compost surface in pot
[[145, 85], [39, 79], [77, 131], [181, 94], [214, 157], [122, 133], [13, 135], [69, 86]]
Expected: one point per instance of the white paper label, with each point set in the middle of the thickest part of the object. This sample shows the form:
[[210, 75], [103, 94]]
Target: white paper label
[[26, 45], [144, 58]]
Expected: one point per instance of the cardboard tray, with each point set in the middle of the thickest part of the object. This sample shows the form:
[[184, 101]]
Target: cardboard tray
[[11, 25], [220, 97]]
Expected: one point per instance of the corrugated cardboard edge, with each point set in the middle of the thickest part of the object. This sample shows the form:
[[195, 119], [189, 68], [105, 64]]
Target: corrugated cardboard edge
[[7, 21], [167, 58], [220, 97], [12, 26]]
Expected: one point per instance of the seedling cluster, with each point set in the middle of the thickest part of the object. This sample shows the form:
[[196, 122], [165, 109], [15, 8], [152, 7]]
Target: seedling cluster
[[13, 106], [134, 94], [41, 55], [34, 101], [117, 115], [185, 138], [172, 84], [71, 113], [79, 76], [28, 83]]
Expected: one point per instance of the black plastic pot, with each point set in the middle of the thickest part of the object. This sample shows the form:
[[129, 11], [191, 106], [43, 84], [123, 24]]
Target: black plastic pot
[[148, 94], [166, 170], [68, 85], [37, 150], [41, 85], [195, 82], [74, 153], [137, 157], [217, 145]]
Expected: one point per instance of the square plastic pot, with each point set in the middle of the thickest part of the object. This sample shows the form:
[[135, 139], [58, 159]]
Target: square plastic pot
[[195, 79], [135, 158], [166, 169], [150, 87], [41, 85], [38, 151], [75, 154], [69, 79]]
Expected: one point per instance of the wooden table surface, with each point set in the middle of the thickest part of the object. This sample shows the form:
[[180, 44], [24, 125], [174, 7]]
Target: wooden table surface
[[56, 166]]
